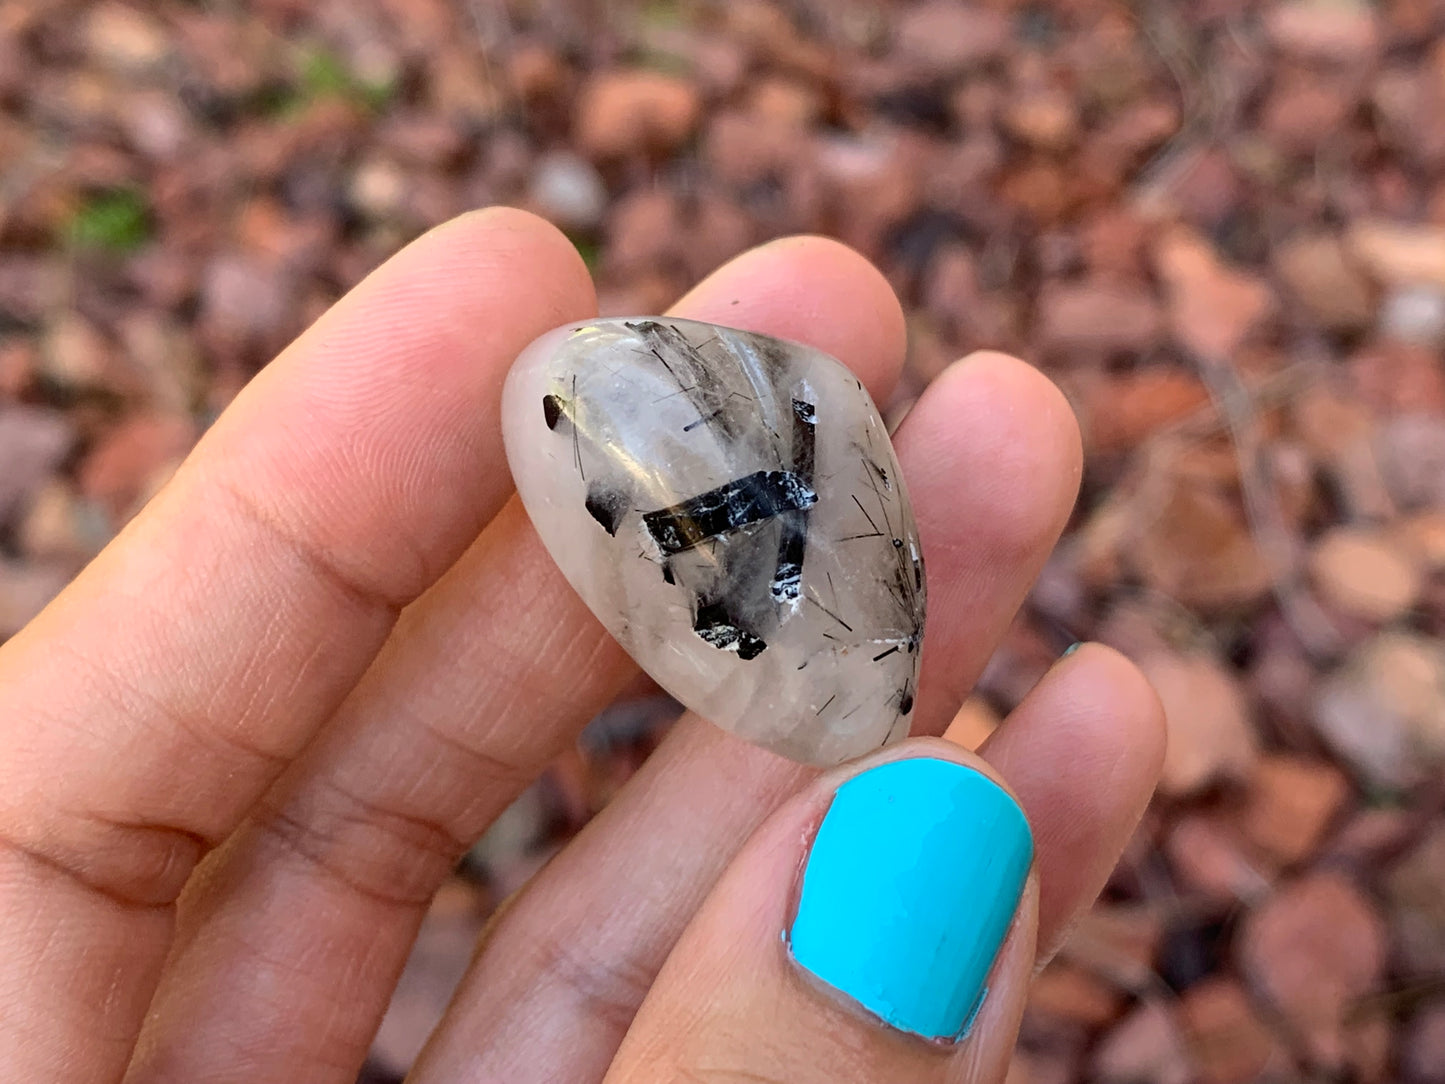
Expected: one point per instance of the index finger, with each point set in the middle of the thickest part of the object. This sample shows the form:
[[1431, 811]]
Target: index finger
[[146, 710]]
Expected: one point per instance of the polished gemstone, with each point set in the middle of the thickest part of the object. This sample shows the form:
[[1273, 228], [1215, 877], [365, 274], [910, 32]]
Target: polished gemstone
[[730, 507]]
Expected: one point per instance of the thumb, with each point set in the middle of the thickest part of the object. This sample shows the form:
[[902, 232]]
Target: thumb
[[877, 928]]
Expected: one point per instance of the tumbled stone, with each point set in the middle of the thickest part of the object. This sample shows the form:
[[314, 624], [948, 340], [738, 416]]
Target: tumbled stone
[[730, 507]]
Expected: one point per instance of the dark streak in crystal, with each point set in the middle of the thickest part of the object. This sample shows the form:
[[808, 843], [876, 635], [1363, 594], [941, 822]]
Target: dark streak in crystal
[[865, 514], [552, 411], [714, 625], [658, 355], [690, 426], [576, 439], [788, 579], [825, 704], [885, 654], [831, 614], [793, 538], [771, 352], [882, 504], [908, 587], [805, 417], [703, 381], [743, 501], [607, 506]]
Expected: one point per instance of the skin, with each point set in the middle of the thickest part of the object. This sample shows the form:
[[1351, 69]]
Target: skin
[[242, 750]]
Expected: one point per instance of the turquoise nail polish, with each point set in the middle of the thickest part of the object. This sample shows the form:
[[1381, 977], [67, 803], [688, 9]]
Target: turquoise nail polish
[[910, 888]]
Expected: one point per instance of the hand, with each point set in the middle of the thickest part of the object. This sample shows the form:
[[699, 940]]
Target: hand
[[242, 750]]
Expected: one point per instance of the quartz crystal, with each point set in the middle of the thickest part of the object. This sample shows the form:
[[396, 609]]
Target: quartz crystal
[[730, 507]]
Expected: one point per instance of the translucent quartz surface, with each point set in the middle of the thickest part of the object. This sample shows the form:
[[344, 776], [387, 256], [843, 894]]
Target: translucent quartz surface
[[730, 507]]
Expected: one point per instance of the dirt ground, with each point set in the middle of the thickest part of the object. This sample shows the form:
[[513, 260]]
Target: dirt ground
[[1220, 226]]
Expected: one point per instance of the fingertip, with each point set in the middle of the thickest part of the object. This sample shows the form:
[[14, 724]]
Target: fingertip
[[1039, 401], [498, 218], [502, 232], [1103, 677], [813, 290], [851, 276], [1009, 429]]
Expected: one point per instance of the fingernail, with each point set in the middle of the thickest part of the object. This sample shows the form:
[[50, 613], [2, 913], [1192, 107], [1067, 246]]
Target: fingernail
[[909, 891]]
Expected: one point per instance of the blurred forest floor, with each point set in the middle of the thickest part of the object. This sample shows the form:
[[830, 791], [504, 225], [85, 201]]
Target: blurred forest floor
[[1220, 226]]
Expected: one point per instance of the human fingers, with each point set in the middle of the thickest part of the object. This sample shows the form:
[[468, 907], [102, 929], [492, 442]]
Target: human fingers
[[144, 712], [485, 678], [909, 888], [1083, 751], [991, 456], [878, 927]]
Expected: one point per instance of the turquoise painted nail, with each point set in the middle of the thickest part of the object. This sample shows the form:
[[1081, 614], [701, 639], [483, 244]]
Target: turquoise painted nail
[[910, 888]]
